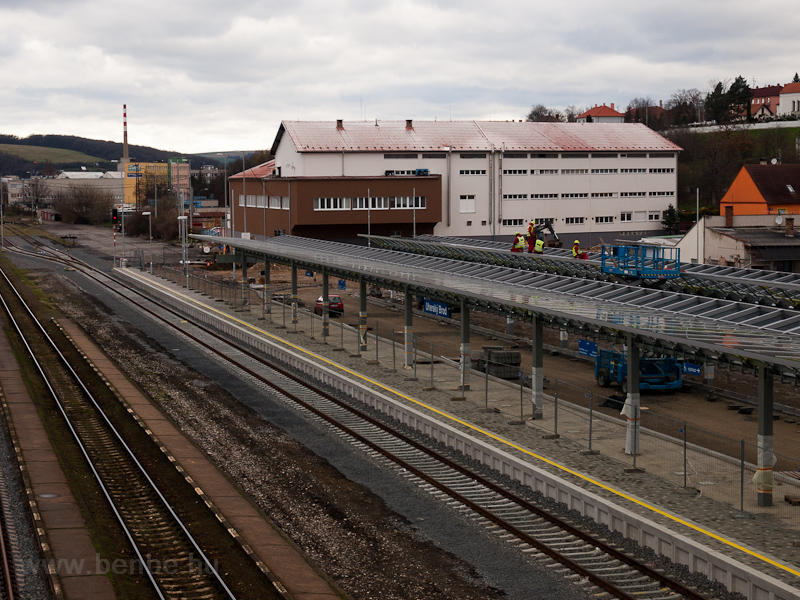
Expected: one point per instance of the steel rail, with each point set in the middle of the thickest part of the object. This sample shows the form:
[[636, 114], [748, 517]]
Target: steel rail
[[597, 580], [145, 563]]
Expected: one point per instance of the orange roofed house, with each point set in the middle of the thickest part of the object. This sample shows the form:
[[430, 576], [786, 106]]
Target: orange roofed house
[[763, 190]]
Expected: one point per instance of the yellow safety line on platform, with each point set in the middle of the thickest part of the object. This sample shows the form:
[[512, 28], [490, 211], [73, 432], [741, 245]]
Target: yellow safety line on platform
[[486, 433]]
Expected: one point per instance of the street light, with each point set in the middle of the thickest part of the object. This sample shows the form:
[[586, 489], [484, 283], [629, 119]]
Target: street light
[[225, 184], [182, 231], [150, 223]]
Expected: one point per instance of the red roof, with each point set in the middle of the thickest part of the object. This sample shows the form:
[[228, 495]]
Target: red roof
[[767, 91], [466, 136], [791, 88], [778, 184], [600, 111], [262, 170]]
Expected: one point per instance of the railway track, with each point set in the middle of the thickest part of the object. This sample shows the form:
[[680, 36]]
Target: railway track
[[165, 550], [595, 564], [8, 578]]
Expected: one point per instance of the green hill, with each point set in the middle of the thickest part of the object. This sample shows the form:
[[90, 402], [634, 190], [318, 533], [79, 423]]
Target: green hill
[[41, 154]]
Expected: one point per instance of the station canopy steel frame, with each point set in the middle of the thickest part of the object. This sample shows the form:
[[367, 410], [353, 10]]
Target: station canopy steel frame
[[702, 329], [754, 286]]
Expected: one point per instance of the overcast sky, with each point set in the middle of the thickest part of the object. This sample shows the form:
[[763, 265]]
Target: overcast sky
[[202, 75]]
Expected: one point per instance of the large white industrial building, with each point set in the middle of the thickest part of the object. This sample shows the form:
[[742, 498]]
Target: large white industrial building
[[593, 180]]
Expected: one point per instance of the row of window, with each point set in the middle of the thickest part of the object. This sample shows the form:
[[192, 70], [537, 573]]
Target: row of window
[[370, 203], [570, 171], [253, 201], [625, 217], [507, 155], [588, 195]]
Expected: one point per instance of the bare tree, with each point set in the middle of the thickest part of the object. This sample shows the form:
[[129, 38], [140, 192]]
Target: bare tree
[[541, 114], [83, 204]]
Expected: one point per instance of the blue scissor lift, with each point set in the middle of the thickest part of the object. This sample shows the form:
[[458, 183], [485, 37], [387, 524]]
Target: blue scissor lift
[[642, 262]]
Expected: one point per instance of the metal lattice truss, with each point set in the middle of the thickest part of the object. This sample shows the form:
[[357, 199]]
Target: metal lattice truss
[[754, 286], [699, 328]]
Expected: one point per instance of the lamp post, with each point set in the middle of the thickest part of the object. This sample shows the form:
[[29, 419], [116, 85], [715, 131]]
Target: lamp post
[[182, 231], [150, 223], [2, 224], [225, 184]]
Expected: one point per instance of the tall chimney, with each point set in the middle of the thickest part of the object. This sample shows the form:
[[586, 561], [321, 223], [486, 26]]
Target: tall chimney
[[125, 157], [409, 124], [790, 227], [729, 217], [339, 124], [612, 106]]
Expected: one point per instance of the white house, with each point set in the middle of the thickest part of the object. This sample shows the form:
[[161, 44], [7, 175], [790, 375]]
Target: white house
[[790, 100], [601, 114], [592, 180]]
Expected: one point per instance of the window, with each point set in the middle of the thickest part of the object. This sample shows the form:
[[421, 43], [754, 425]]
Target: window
[[671, 193], [285, 203], [626, 217], [241, 199], [251, 200], [604, 155], [437, 155], [372, 203], [603, 171], [467, 203], [654, 215], [577, 155], [274, 201], [405, 202], [469, 223], [261, 201], [640, 216], [544, 171], [515, 155], [604, 219], [515, 171], [633, 155], [473, 156], [604, 194], [632, 194], [515, 196], [403, 155], [545, 155], [540, 196], [542, 221], [472, 172], [574, 171], [577, 195], [331, 203], [574, 220], [662, 170], [633, 170], [662, 155], [513, 222]]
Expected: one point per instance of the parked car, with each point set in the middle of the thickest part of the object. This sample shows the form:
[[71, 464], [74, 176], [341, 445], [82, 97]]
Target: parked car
[[335, 305]]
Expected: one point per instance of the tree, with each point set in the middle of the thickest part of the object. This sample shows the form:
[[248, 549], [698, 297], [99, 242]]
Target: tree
[[796, 78], [717, 103], [541, 114], [685, 106], [571, 113], [83, 204], [739, 98], [670, 222]]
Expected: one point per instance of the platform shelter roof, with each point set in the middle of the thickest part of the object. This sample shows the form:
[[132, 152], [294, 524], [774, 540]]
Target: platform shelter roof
[[671, 323]]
